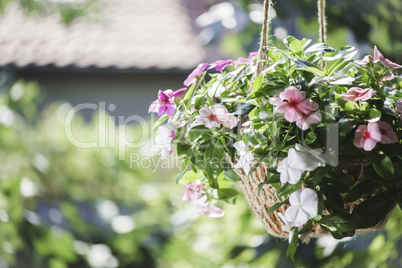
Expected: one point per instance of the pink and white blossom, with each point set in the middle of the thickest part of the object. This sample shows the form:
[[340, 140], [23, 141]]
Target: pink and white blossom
[[367, 136], [215, 116], [378, 57], [303, 207], [294, 104], [210, 210], [357, 93], [192, 78], [194, 191], [387, 132], [366, 60]]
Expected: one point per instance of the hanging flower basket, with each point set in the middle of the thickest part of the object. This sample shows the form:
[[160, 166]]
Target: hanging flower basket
[[312, 136]]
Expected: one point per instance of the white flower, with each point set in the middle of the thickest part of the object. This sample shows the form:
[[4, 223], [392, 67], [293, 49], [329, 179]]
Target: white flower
[[288, 173], [306, 159], [246, 157], [288, 227], [164, 139], [303, 206]]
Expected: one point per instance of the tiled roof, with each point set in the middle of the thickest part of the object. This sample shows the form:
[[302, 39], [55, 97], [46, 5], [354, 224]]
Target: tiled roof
[[131, 34]]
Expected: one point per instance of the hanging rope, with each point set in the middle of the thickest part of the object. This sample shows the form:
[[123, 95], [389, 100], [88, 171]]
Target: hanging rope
[[263, 50], [323, 25], [322, 20]]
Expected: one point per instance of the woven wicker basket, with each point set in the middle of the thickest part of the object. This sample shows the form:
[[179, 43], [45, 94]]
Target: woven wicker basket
[[267, 197]]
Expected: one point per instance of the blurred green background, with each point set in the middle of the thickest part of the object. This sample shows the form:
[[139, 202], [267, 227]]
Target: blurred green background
[[63, 206]]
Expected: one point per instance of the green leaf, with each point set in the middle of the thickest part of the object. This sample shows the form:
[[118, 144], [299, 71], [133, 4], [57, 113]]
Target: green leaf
[[319, 47], [228, 195], [183, 169], [183, 148], [277, 205], [306, 228], [290, 252], [375, 209], [351, 107], [313, 70], [288, 189], [363, 188], [223, 182], [191, 177], [258, 83], [160, 121], [288, 40], [383, 165], [296, 47], [244, 108], [197, 132], [333, 200], [189, 92], [374, 114], [341, 222], [231, 175]]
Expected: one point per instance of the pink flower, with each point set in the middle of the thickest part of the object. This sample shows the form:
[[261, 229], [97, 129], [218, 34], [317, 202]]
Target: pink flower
[[308, 119], [232, 121], [241, 61], [367, 136], [192, 78], [275, 99], [378, 57], [165, 102], [253, 54], [293, 104], [367, 59], [210, 210], [388, 78], [387, 132], [218, 114], [219, 65], [356, 93], [193, 191]]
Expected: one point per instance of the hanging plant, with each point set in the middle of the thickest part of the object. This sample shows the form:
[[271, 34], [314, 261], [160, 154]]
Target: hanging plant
[[312, 136]]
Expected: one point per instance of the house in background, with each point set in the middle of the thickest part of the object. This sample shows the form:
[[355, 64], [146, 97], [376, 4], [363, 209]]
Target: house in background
[[133, 49]]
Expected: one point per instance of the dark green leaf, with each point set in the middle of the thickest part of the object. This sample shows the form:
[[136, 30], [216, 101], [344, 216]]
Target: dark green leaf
[[363, 188], [333, 200], [244, 108], [375, 209], [341, 222], [290, 252], [288, 189], [229, 195], [382, 165], [277, 205]]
